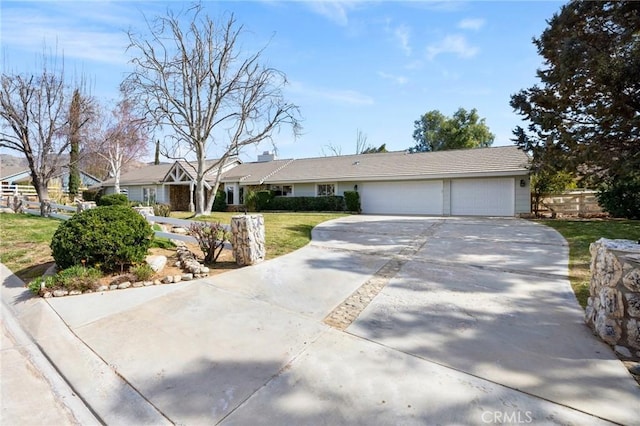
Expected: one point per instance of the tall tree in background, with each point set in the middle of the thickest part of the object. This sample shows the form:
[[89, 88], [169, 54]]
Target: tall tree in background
[[33, 114], [156, 158], [436, 132], [194, 79], [80, 113], [584, 117]]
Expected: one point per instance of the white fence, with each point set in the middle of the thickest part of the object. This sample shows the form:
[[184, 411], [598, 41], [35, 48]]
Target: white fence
[[58, 211]]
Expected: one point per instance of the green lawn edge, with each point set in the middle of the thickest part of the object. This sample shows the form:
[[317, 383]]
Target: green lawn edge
[[580, 233]]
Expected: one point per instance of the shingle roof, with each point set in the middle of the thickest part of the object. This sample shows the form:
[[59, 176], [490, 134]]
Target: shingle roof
[[144, 175], [385, 166], [152, 174]]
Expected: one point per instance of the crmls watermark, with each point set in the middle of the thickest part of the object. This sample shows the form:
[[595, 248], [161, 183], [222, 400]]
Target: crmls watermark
[[508, 417]]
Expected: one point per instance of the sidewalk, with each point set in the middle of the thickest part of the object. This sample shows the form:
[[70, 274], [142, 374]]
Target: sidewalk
[[32, 391]]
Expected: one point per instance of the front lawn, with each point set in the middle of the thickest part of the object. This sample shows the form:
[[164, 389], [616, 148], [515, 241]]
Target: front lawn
[[25, 239], [24, 243], [580, 233]]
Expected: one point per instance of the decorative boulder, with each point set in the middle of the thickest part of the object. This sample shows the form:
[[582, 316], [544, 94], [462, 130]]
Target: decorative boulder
[[156, 262]]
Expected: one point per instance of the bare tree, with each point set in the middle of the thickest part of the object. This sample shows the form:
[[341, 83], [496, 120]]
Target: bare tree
[[362, 147], [361, 142], [121, 137], [34, 120], [196, 81]]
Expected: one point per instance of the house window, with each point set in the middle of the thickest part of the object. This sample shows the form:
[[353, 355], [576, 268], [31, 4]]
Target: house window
[[149, 196], [282, 190], [326, 189], [229, 194]]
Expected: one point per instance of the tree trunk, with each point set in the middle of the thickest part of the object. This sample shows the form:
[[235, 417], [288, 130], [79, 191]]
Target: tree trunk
[[116, 180], [43, 197]]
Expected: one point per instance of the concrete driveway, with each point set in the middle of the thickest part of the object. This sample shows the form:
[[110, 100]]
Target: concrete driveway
[[380, 320]]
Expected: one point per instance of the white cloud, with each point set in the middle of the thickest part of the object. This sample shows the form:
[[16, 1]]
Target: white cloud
[[397, 79], [349, 97], [335, 11], [455, 44], [75, 37], [402, 34], [471, 24]]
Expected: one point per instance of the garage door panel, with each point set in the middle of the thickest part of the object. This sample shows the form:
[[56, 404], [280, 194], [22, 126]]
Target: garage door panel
[[415, 197], [483, 197]]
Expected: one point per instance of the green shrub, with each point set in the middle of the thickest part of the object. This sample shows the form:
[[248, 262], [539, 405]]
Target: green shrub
[[143, 272], [220, 202], [74, 278], [620, 197], [113, 200], [250, 199], [334, 203], [162, 210], [352, 201], [108, 238], [263, 198], [91, 195]]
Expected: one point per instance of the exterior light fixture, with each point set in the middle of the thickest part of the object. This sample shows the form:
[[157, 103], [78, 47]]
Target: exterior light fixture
[[523, 183]]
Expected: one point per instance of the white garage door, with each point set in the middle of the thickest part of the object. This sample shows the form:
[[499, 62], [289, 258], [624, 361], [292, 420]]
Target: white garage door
[[423, 197], [483, 197]]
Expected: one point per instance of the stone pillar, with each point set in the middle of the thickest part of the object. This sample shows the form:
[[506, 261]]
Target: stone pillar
[[85, 205], [613, 307], [248, 239]]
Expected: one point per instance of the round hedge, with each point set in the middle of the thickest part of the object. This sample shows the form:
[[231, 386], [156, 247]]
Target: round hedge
[[108, 238]]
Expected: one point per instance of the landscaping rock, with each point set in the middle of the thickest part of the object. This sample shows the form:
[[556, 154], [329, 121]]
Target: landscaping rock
[[621, 350], [157, 282], [635, 369], [113, 287], [168, 279], [187, 277], [177, 278], [75, 293], [60, 293], [179, 230], [124, 285], [157, 262], [137, 284], [103, 288], [147, 283], [47, 294]]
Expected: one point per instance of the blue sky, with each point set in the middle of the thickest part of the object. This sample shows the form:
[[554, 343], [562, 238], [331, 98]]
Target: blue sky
[[373, 66]]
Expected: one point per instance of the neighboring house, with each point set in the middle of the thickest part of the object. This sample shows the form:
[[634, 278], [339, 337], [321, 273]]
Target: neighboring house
[[12, 176], [477, 182], [172, 183]]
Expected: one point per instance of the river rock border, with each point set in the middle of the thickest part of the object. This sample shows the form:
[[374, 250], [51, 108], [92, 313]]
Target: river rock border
[[187, 261]]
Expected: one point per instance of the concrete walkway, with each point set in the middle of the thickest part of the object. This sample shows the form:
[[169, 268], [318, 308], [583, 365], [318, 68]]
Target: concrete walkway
[[474, 323]]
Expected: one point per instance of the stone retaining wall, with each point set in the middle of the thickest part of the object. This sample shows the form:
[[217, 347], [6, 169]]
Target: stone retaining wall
[[248, 239], [613, 308]]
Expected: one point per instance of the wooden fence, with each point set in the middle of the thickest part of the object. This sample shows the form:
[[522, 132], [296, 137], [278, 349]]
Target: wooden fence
[[29, 192], [571, 204]]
